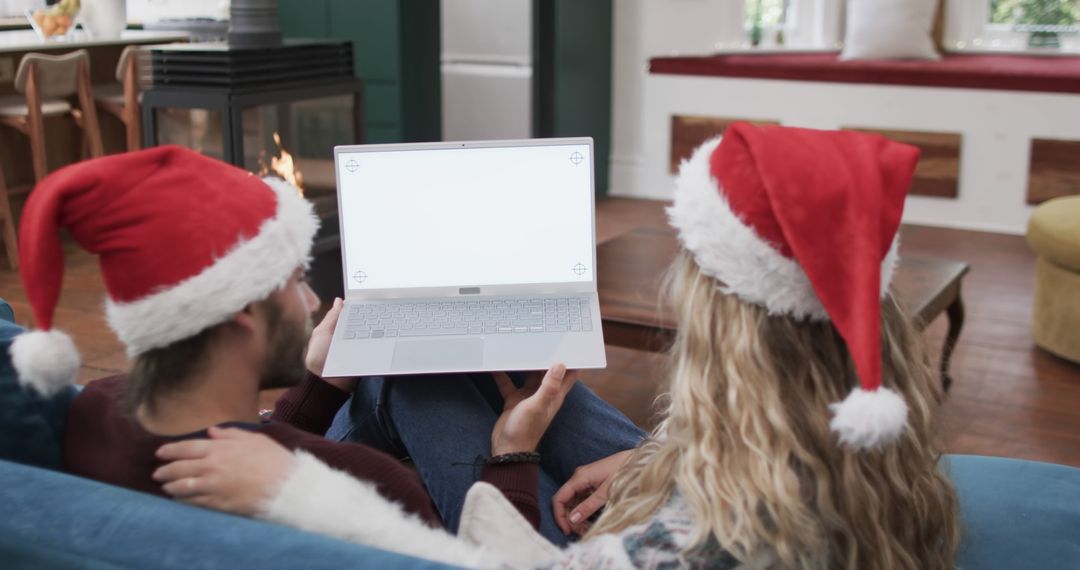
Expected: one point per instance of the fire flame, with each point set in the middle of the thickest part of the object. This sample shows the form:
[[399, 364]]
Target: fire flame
[[282, 165]]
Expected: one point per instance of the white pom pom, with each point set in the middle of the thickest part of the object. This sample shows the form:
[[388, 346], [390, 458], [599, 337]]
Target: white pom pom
[[45, 360], [867, 420]]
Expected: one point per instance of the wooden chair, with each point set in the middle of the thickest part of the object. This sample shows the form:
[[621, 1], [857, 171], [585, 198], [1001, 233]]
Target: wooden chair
[[122, 98], [48, 83], [7, 218]]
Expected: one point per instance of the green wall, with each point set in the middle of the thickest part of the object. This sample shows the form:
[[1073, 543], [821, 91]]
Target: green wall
[[396, 50], [572, 86]]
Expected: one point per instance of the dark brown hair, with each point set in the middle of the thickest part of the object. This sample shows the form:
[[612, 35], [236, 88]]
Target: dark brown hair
[[171, 368]]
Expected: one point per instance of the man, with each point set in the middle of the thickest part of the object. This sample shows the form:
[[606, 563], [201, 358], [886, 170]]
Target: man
[[203, 263]]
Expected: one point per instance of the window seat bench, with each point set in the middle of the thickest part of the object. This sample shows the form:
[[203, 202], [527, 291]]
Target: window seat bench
[[1002, 72], [999, 134]]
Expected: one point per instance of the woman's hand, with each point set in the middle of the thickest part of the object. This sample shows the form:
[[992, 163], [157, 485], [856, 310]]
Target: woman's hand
[[236, 471], [586, 492], [527, 411]]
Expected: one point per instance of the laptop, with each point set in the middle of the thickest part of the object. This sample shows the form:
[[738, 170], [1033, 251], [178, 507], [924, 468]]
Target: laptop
[[467, 256]]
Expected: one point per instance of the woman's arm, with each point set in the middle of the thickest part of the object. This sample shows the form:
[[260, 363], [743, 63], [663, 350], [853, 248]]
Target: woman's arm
[[229, 473], [250, 474], [235, 469], [317, 498]]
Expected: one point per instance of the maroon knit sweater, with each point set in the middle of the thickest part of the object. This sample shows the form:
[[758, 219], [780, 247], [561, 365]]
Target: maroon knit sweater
[[103, 442]]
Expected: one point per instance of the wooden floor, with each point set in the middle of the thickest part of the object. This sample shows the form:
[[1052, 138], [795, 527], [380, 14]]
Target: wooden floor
[[1009, 397]]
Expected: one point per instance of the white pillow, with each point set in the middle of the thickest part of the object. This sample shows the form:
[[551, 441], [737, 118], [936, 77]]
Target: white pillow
[[890, 29]]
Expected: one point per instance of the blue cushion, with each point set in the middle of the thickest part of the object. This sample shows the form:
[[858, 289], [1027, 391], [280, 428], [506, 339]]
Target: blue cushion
[[31, 427], [54, 520], [1017, 514]]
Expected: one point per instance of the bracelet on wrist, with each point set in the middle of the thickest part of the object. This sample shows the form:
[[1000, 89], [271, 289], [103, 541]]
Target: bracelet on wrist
[[518, 457]]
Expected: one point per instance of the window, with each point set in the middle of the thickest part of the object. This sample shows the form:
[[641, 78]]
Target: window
[[1059, 15], [762, 15], [792, 23], [1013, 25], [1042, 21]]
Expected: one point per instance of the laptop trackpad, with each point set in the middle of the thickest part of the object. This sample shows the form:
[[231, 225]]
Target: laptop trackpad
[[438, 355]]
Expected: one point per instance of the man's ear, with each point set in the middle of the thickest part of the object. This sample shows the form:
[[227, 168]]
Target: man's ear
[[246, 318]]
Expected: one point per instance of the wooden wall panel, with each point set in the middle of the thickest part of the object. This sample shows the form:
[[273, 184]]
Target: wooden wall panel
[[938, 171], [1054, 169], [688, 132], [937, 174]]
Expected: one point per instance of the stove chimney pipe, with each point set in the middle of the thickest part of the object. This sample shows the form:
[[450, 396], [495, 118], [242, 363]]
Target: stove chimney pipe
[[254, 23]]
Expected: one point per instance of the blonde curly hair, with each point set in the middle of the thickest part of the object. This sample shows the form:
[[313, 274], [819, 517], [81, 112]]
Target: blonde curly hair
[[746, 442]]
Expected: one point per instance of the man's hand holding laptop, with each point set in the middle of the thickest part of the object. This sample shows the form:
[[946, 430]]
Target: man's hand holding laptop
[[319, 345]]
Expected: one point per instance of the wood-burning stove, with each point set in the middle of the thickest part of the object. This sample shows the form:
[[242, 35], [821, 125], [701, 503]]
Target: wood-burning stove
[[231, 100], [241, 95]]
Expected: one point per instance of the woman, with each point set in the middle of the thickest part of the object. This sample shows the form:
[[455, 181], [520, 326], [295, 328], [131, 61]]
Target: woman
[[768, 479], [800, 429]]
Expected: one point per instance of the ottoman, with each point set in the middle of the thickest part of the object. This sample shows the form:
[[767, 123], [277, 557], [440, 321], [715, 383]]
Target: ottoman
[[1054, 234]]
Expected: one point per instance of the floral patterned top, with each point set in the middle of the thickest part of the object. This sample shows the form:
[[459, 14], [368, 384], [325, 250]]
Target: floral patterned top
[[656, 544]]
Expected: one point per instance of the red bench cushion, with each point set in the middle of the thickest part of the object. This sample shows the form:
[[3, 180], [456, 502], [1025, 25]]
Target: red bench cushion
[[1006, 72]]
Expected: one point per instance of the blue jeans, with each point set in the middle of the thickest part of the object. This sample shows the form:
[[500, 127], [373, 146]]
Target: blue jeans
[[444, 423]]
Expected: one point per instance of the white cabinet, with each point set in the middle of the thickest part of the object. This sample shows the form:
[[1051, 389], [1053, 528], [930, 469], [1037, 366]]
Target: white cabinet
[[487, 69]]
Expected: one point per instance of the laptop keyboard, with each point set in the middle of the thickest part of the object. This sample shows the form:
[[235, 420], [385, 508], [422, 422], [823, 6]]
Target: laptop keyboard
[[517, 316]]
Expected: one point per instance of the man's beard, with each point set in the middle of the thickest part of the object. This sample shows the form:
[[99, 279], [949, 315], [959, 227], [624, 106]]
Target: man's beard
[[284, 365]]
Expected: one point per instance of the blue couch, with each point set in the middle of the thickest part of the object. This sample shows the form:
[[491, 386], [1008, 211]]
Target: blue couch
[[1018, 514]]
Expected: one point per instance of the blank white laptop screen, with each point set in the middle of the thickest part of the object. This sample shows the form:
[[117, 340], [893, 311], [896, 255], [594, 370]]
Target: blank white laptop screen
[[467, 216]]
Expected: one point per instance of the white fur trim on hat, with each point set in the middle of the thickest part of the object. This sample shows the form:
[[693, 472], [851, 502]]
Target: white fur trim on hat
[[46, 361], [317, 498], [869, 419], [250, 272], [731, 251]]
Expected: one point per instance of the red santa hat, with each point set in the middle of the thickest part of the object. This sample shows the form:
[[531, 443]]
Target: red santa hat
[[804, 223], [184, 242]]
